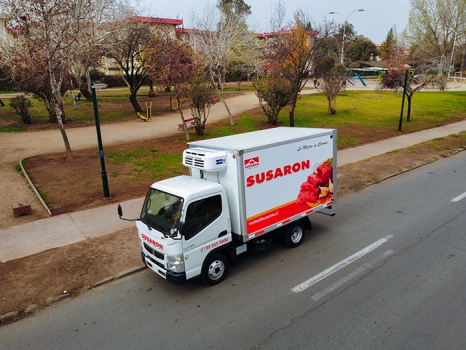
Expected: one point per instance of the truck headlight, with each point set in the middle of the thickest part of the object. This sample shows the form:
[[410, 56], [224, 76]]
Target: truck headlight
[[175, 263]]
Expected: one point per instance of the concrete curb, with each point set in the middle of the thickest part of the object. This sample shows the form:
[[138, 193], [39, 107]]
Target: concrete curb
[[16, 315], [413, 168], [33, 187]]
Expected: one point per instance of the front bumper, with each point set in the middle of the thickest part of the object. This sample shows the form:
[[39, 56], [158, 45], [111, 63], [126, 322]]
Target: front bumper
[[173, 277]]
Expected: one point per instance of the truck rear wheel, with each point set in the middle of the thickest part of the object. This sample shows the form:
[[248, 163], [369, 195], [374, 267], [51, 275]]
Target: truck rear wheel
[[215, 269], [293, 234]]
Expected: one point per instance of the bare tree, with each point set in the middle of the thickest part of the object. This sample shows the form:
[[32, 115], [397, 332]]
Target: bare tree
[[333, 78], [434, 28], [125, 42], [49, 35], [221, 36]]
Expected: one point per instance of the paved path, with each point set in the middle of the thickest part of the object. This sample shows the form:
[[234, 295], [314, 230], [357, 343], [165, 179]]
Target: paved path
[[33, 237]]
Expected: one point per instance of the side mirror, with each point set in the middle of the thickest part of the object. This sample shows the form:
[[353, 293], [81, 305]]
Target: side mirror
[[120, 214], [181, 228]]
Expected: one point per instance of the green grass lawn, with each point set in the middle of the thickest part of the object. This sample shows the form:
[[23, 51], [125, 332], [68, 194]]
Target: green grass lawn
[[377, 109], [361, 108]]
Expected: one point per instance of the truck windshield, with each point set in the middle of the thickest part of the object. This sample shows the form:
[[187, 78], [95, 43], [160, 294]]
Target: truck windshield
[[162, 211]]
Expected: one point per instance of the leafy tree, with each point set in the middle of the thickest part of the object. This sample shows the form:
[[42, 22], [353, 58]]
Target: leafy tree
[[275, 91], [292, 53], [361, 49], [332, 77], [22, 105], [395, 79], [388, 44], [234, 7], [171, 62], [199, 92]]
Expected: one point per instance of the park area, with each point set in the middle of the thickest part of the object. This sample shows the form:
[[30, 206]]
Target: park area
[[363, 117]]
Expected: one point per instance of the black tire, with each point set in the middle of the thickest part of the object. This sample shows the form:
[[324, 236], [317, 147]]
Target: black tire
[[293, 234], [260, 244], [215, 269]]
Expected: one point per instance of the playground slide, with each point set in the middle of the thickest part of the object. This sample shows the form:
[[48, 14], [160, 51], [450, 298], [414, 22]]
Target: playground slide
[[362, 80]]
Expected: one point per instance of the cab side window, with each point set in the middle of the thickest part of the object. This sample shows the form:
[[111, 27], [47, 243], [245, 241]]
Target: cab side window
[[201, 214]]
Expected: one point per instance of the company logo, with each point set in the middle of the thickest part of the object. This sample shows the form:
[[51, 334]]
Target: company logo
[[272, 174], [153, 242], [220, 161], [251, 163]]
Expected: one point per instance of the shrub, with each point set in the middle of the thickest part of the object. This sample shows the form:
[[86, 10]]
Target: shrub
[[21, 105], [275, 91]]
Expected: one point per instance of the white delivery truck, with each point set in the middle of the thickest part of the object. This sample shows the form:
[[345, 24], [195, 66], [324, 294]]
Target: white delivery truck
[[241, 190]]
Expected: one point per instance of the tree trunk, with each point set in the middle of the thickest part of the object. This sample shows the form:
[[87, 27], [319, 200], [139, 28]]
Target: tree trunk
[[293, 101], [134, 103], [151, 89], [60, 117], [182, 119], [228, 109], [219, 90], [408, 115], [332, 105], [84, 89]]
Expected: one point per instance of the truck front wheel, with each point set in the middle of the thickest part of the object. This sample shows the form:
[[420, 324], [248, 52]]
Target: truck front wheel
[[215, 269], [293, 234]]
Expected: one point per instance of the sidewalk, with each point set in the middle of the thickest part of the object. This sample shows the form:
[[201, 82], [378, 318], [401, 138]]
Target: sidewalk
[[41, 235]]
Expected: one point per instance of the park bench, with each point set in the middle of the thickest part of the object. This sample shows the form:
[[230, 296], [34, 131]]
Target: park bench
[[190, 121]]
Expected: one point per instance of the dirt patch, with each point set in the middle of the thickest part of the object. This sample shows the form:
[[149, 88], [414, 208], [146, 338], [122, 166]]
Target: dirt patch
[[77, 185], [66, 271], [78, 267]]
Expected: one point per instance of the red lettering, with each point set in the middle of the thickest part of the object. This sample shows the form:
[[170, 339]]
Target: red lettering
[[278, 173], [151, 241], [296, 167], [305, 164], [260, 178], [250, 181]]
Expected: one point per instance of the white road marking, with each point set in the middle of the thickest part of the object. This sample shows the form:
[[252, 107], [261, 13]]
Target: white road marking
[[460, 197], [320, 276], [349, 276]]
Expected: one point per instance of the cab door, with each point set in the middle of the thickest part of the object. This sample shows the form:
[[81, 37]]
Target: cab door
[[206, 228]]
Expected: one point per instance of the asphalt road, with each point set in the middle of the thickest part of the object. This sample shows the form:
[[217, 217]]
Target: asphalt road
[[387, 272]]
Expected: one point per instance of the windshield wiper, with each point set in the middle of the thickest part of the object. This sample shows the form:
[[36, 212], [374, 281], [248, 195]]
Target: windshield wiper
[[155, 226]]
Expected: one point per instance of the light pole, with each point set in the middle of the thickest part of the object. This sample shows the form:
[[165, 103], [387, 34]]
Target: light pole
[[344, 30], [452, 55], [99, 138]]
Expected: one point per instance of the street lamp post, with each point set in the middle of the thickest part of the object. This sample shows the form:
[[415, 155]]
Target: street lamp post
[[344, 30], [452, 55], [99, 140]]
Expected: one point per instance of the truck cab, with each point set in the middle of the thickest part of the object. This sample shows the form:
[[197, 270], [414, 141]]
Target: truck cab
[[183, 221]]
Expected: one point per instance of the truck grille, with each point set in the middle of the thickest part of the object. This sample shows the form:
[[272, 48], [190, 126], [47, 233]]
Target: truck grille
[[157, 254], [155, 262]]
